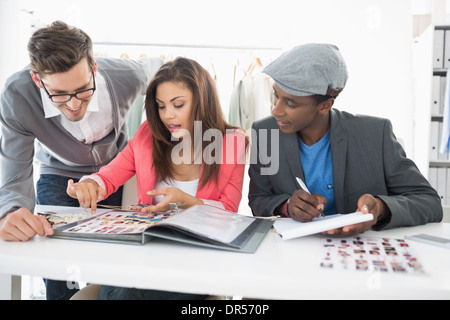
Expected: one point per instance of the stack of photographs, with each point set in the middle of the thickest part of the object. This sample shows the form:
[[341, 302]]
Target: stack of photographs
[[369, 254]]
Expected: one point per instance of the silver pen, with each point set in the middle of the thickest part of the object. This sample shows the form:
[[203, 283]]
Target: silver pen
[[305, 188], [174, 207]]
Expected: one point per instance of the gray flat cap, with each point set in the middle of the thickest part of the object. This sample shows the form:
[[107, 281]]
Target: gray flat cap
[[310, 69]]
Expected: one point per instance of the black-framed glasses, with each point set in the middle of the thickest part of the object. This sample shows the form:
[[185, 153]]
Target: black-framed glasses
[[65, 97]]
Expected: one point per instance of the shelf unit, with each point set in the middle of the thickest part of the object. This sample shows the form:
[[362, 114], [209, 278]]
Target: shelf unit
[[439, 163]]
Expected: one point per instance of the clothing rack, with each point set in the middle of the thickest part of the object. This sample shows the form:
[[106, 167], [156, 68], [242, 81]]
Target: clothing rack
[[200, 46]]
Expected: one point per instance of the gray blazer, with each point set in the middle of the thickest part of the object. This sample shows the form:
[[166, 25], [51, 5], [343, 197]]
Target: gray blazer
[[366, 157]]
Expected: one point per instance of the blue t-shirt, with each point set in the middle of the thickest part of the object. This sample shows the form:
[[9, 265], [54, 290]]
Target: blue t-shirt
[[318, 170]]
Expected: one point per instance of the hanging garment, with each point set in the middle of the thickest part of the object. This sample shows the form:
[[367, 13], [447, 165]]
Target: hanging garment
[[251, 99], [239, 114]]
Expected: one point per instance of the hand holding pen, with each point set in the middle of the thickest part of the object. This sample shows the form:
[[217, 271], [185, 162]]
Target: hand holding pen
[[303, 206], [304, 187]]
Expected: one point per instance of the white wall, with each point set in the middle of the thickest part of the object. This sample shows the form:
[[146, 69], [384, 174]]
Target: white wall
[[9, 38], [375, 37]]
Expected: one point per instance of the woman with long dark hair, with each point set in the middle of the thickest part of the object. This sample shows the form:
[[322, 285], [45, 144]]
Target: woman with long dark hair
[[186, 153]]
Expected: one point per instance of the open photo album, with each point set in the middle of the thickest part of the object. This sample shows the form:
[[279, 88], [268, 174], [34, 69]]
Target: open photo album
[[202, 225]]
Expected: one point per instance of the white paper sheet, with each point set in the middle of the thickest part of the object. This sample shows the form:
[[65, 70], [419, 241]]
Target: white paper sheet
[[289, 228], [211, 222]]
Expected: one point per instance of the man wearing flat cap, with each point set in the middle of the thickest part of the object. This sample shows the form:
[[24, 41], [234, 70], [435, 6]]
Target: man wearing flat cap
[[348, 162]]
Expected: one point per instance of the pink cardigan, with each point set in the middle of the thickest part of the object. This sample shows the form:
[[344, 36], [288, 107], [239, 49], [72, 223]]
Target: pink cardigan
[[136, 158]]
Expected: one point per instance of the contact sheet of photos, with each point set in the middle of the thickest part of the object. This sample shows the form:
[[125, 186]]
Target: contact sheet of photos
[[369, 254]]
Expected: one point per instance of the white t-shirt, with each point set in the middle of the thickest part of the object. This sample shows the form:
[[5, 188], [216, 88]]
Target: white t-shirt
[[190, 187]]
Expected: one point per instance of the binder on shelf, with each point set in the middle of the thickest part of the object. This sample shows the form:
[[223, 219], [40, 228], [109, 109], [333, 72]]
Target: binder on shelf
[[438, 50], [447, 196], [443, 88], [441, 156], [434, 140], [447, 49], [436, 96], [442, 184]]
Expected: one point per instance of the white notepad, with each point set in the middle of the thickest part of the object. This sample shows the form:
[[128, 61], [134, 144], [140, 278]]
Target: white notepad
[[289, 228]]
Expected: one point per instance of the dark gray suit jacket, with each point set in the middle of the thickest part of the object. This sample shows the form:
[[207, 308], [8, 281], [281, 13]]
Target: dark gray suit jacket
[[367, 158]]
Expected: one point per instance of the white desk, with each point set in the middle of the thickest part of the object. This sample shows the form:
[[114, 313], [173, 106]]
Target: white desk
[[279, 269]]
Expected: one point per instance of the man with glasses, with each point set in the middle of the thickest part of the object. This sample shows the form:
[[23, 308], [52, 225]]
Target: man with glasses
[[68, 112], [65, 99]]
